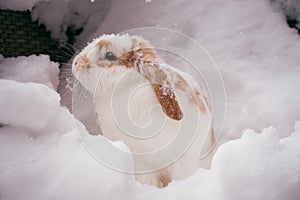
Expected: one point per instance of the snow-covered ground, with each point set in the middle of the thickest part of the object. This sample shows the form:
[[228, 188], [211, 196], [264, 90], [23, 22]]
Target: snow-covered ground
[[291, 9], [18, 5], [257, 54], [41, 156], [73, 14]]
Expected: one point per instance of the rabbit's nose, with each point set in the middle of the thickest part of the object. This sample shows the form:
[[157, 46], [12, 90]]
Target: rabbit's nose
[[81, 63]]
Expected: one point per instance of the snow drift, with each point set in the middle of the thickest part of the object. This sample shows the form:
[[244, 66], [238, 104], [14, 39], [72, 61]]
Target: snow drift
[[41, 156], [18, 5]]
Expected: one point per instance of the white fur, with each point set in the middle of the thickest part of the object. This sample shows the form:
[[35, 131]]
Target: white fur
[[125, 99]]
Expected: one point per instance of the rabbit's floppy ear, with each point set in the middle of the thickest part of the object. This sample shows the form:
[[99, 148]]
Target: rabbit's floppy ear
[[148, 66]]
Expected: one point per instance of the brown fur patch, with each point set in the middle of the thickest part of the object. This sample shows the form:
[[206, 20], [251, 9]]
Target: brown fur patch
[[168, 101], [161, 86], [104, 44], [164, 180], [135, 58], [134, 42], [162, 89], [199, 101], [182, 84], [128, 60], [83, 63]]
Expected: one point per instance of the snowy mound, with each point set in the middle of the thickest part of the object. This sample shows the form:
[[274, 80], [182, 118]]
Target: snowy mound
[[42, 157], [18, 5], [40, 152], [291, 8], [22, 70]]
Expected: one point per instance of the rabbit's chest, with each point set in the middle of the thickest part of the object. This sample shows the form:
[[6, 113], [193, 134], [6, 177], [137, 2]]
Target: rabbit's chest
[[128, 106]]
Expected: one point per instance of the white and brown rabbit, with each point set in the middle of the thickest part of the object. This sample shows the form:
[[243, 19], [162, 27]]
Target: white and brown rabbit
[[128, 81]]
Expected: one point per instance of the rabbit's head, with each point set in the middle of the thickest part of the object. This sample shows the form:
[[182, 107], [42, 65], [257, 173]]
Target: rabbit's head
[[129, 53]]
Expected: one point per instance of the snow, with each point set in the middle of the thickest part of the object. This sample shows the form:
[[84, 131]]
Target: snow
[[26, 115], [20, 69], [291, 8], [72, 14], [258, 56], [55, 168], [40, 152], [255, 51], [18, 4], [256, 166], [260, 156]]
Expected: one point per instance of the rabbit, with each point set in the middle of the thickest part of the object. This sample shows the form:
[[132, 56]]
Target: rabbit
[[142, 101]]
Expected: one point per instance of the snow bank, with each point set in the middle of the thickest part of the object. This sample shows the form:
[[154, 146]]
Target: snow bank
[[258, 56], [26, 114], [38, 69], [59, 16], [260, 166], [256, 166], [255, 50], [28, 98], [18, 4], [41, 156], [291, 8], [55, 168]]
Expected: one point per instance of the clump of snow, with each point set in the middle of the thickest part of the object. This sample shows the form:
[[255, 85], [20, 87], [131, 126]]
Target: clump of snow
[[291, 8], [81, 16], [19, 4], [58, 16], [57, 167], [261, 166], [25, 69], [28, 98], [41, 154], [23, 105], [256, 166], [258, 56]]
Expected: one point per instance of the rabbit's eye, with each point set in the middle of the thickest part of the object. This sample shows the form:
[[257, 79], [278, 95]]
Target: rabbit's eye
[[110, 56]]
